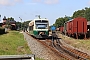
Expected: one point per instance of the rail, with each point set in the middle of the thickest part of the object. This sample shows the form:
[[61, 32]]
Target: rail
[[62, 50], [73, 53]]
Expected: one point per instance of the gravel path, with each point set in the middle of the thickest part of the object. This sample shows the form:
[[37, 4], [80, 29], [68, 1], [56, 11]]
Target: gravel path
[[40, 50]]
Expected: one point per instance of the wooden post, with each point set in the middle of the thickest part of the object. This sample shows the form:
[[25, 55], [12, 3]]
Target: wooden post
[[85, 36], [76, 35]]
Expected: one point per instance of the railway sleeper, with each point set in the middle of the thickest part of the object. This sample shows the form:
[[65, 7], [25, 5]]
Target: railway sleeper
[[75, 54], [79, 53], [72, 54], [83, 58], [82, 54], [64, 56]]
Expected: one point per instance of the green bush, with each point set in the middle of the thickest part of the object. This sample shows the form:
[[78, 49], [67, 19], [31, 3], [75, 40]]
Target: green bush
[[2, 30]]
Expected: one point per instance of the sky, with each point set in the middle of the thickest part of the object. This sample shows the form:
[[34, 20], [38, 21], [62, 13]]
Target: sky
[[50, 9]]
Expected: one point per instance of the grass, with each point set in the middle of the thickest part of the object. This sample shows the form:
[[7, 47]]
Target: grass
[[82, 43], [38, 58], [78, 43], [13, 43]]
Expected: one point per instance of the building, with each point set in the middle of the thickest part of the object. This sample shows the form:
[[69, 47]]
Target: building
[[11, 24]]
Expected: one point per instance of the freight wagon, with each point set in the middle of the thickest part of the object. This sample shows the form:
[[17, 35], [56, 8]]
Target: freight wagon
[[76, 27], [61, 29]]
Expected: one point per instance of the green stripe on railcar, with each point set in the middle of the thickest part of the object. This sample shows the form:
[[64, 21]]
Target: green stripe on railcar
[[36, 32], [47, 32]]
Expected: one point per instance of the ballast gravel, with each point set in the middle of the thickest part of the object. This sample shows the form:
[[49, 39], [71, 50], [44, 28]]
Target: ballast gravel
[[40, 50]]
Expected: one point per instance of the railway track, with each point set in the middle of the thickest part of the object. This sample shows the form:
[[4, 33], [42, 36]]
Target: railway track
[[71, 53], [63, 51]]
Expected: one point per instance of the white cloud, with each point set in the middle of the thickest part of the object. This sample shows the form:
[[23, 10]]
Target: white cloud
[[89, 2], [51, 1], [18, 0], [13, 2], [37, 0], [47, 1], [31, 3], [4, 2], [9, 2]]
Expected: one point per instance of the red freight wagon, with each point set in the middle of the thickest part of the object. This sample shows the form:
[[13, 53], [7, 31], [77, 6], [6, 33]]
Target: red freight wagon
[[61, 29], [77, 26], [69, 27]]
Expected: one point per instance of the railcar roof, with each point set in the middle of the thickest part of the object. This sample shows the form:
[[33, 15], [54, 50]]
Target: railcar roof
[[69, 21], [31, 23], [40, 19]]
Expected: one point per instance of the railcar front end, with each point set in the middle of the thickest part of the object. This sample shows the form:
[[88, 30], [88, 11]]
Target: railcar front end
[[39, 28]]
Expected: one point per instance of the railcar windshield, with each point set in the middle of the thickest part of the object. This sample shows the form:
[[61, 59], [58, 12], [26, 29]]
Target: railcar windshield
[[41, 24]]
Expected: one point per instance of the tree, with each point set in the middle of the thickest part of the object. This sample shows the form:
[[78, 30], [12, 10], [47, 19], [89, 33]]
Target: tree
[[25, 24], [87, 14], [10, 19], [60, 21], [82, 13], [79, 13]]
